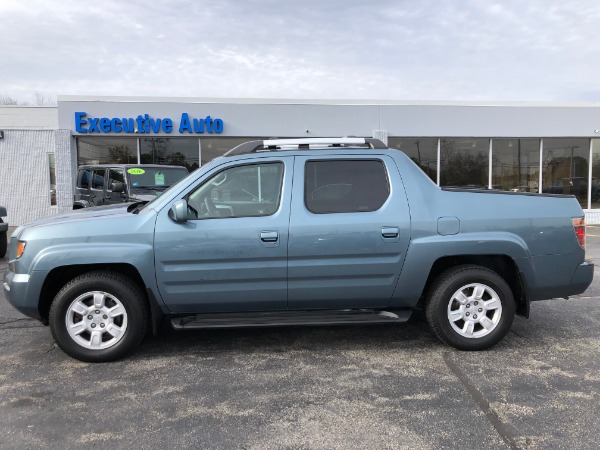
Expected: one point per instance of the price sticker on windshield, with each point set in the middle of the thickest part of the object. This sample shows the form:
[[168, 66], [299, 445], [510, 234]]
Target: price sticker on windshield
[[136, 171], [159, 179]]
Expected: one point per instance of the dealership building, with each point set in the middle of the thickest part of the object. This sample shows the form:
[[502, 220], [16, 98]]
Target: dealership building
[[510, 146]]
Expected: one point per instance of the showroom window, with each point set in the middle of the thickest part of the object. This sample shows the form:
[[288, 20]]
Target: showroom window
[[153, 150], [464, 162], [343, 186], [595, 191], [52, 168], [516, 164], [423, 151], [214, 147], [565, 167], [103, 150], [170, 151]]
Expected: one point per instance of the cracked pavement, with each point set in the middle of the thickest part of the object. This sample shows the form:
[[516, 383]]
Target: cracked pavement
[[385, 386]]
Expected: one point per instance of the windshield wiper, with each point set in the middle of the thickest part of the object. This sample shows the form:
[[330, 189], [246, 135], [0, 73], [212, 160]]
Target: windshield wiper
[[152, 188], [135, 207]]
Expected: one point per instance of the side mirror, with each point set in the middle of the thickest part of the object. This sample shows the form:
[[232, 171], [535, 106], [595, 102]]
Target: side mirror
[[117, 186], [179, 211]]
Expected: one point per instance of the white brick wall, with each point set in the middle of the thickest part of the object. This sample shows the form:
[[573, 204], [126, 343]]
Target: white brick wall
[[25, 174]]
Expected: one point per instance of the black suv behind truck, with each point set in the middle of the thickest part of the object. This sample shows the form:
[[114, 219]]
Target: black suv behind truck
[[3, 232], [105, 184]]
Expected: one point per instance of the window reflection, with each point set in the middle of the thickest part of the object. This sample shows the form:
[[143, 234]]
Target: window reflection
[[423, 151], [214, 147], [464, 162], [516, 164], [92, 150], [595, 173], [565, 167], [170, 151]]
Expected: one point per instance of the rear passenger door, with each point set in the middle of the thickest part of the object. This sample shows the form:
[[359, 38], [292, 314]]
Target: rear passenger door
[[83, 191], [97, 187], [349, 232]]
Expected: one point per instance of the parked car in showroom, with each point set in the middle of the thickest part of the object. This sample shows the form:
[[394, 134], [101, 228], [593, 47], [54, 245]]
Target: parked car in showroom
[[105, 184], [3, 232]]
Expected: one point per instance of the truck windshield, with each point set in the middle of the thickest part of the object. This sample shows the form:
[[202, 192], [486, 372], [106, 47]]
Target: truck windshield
[[155, 178]]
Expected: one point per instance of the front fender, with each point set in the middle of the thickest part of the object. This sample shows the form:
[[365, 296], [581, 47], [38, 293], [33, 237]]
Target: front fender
[[139, 255]]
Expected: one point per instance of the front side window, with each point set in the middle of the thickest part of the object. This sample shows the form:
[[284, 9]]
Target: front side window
[[343, 186], [115, 176], [242, 191]]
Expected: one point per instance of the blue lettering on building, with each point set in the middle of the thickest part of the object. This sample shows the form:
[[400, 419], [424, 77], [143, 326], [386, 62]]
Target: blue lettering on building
[[146, 124]]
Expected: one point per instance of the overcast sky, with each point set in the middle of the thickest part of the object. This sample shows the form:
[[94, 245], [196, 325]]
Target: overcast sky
[[399, 50]]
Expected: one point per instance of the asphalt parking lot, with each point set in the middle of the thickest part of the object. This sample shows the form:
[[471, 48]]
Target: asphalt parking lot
[[369, 387]]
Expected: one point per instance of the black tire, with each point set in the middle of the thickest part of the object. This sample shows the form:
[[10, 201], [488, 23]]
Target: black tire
[[112, 290], [3, 244], [448, 319]]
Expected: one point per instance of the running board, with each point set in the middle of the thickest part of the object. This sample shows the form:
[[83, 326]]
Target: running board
[[289, 318]]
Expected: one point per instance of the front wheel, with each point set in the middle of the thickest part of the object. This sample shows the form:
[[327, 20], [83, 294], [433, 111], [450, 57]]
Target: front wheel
[[99, 316], [470, 307]]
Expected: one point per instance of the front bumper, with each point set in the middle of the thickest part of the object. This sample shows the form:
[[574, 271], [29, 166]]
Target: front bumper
[[23, 291]]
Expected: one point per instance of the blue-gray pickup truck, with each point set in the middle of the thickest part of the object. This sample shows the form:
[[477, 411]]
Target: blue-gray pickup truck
[[298, 232]]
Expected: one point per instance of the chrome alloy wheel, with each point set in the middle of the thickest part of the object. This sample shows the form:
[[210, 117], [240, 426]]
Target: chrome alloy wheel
[[474, 310], [96, 320]]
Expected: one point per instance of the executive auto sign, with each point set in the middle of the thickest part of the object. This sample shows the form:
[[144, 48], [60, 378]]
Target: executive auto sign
[[144, 123]]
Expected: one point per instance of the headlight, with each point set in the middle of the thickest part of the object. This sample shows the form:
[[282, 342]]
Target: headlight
[[20, 248]]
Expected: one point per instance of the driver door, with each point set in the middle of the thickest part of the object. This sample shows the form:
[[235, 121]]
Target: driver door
[[231, 253]]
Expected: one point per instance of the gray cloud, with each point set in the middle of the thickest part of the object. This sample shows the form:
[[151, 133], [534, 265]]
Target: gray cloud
[[396, 49]]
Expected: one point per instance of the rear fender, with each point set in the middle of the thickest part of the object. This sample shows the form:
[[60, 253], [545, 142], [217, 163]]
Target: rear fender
[[424, 252]]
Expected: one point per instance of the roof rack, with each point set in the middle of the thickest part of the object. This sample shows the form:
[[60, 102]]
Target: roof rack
[[303, 144]]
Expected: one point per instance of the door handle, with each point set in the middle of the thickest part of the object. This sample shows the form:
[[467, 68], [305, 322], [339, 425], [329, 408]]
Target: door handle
[[269, 236], [390, 232]]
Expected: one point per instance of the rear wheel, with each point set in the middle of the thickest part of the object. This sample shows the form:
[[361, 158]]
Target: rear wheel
[[99, 316], [470, 307]]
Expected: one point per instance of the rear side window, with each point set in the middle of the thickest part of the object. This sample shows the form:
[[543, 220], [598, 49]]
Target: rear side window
[[115, 176], [342, 186]]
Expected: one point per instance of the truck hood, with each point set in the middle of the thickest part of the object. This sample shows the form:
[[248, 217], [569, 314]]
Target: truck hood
[[80, 215]]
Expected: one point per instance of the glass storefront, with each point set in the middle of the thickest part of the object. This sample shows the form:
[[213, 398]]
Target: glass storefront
[[103, 150], [423, 151], [154, 150], [464, 162], [170, 151], [516, 164], [565, 167], [213, 147], [595, 190]]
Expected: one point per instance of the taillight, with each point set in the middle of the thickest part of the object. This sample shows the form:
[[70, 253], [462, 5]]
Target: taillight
[[579, 227]]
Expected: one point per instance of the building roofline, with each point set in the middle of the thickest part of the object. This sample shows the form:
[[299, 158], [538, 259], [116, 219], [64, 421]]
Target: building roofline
[[329, 102]]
